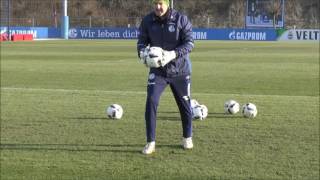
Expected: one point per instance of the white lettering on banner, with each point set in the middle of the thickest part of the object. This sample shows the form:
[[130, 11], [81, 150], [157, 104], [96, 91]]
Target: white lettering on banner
[[87, 33], [130, 34], [199, 35], [254, 36], [33, 32], [107, 34], [300, 35], [307, 35]]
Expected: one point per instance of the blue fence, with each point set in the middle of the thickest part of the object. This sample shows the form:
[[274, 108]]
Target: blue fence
[[132, 33]]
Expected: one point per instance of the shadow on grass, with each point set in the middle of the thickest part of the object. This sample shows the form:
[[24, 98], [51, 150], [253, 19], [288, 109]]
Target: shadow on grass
[[88, 118], [168, 112], [168, 118], [212, 115], [172, 146], [165, 116], [116, 148], [222, 115], [119, 148], [160, 118]]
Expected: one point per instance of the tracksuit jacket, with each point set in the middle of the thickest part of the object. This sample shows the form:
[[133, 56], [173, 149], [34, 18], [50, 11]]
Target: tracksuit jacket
[[172, 33]]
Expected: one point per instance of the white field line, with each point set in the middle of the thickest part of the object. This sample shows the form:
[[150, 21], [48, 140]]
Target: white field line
[[134, 92]]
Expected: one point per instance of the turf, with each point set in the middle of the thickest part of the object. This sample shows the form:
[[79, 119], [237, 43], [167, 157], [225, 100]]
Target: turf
[[54, 95]]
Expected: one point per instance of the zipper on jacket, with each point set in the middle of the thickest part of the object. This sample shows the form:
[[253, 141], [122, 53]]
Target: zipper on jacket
[[162, 43]]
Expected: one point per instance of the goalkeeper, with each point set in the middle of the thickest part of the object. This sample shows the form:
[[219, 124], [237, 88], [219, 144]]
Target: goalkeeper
[[171, 31]]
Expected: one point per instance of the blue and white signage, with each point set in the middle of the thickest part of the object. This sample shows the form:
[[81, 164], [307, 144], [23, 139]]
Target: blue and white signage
[[198, 34], [37, 32], [103, 33], [300, 35], [235, 34]]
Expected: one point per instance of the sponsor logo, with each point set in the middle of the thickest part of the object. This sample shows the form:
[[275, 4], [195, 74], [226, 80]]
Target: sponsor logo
[[24, 31], [307, 34], [151, 76], [73, 33], [199, 35], [301, 35], [171, 28], [151, 79], [290, 35], [247, 35]]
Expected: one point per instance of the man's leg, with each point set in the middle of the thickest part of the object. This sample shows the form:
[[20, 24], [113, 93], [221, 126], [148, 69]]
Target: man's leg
[[156, 85], [180, 87]]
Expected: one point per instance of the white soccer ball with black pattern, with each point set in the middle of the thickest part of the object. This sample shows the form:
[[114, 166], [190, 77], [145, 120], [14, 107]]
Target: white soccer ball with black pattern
[[115, 111], [199, 112], [249, 110], [194, 103], [231, 107], [154, 57]]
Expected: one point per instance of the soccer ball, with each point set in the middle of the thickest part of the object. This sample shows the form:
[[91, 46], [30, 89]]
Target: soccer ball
[[231, 107], [194, 103], [249, 110], [115, 111], [154, 57], [199, 112]]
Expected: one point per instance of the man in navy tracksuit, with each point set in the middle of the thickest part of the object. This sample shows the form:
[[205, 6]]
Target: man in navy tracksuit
[[172, 33]]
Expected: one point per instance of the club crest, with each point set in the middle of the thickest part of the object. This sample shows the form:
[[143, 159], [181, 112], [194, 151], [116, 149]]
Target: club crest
[[151, 76], [171, 28]]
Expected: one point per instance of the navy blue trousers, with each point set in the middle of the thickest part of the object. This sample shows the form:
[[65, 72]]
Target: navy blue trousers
[[180, 87]]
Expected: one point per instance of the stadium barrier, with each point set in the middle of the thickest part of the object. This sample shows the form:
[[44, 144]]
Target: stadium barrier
[[198, 33], [37, 32]]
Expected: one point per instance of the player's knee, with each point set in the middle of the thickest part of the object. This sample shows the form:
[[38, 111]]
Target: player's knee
[[152, 100]]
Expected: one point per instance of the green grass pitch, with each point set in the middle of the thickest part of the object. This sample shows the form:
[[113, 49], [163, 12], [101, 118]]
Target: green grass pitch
[[54, 127]]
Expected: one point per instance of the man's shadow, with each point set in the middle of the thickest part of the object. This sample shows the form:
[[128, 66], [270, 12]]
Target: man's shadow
[[116, 148], [175, 116], [120, 148]]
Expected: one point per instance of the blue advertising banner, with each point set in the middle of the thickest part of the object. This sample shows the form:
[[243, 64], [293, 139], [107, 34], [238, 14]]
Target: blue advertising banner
[[132, 33], [103, 33], [198, 34], [37, 32], [235, 34]]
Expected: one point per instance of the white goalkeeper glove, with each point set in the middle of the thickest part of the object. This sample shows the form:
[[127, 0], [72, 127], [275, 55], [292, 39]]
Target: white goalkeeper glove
[[167, 57], [143, 54]]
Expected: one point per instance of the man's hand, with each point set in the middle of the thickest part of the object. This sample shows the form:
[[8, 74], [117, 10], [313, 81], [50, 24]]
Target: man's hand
[[167, 57], [143, 54]]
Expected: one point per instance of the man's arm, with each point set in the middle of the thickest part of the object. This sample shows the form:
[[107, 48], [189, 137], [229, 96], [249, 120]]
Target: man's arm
[[187, 38], [143, 39], [186, 46]]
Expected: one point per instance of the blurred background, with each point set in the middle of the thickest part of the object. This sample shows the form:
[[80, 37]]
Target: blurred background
[[128, 13]]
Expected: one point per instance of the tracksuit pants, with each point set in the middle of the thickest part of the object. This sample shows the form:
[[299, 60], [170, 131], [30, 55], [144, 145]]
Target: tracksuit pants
[[180, 87]]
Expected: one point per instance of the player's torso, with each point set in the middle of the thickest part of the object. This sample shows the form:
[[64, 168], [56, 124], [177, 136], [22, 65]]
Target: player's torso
[[168, 35], [165, 34]]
